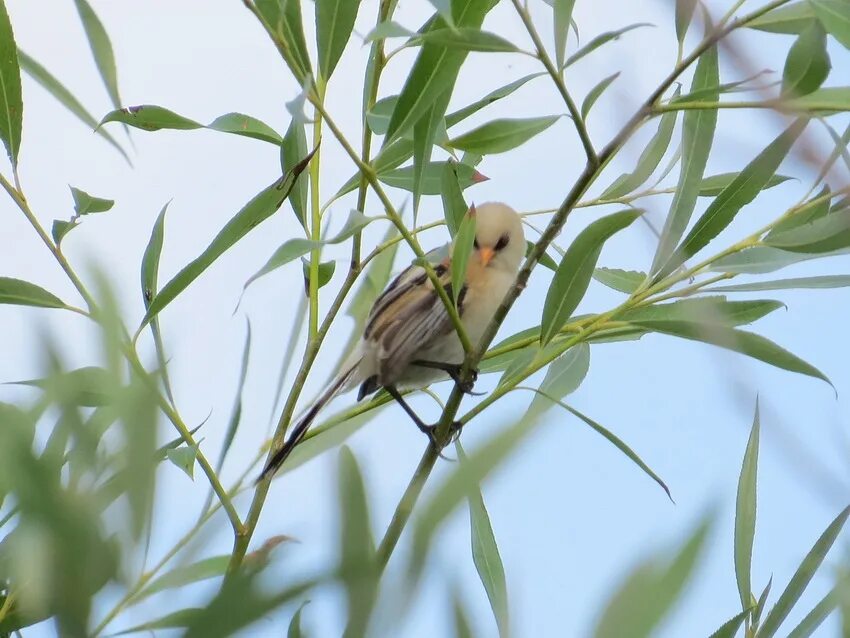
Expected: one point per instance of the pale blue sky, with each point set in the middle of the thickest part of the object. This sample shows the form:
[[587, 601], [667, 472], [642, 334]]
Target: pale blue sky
[[570, 513]]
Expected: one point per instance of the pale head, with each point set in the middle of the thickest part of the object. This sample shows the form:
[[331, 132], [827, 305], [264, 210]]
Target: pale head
[[499, 238]]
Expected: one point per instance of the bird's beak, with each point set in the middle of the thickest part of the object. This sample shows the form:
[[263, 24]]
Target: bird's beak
[[486, 254]]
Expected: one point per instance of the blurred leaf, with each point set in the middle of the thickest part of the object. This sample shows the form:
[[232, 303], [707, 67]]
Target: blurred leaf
[[595, 93], [388, 29], [648, 161], [435, 70], [716, 184], [747, 343], [334, 23], [503, 135], [174, 620], [58, 90], [444, 8], [465, 39], [825, 281], [89, 386], [684, 15], [461, 250], [184, 457], [545, 259], [356, 545], [85, 203], [564, 376], [252, 214], [740, 192], [294, 630], [649, 592], [704, 310], [826, 101], [788, 598], [745, 515], [601, 39], [834, 15], [293, 149], [454, 205], [183, 575], [763, 259], [101, 48], [625, 281], [576, 268], [11, 102], [283, 20], [807, 64], [432, 177], [697, 137], [515, 363], [792, 18], [461, 114], [563, 12], [485, 554], [236, 410], [18, 292], [730, 628], [818, 614], [241, 124], [824, 235], [462, 627]]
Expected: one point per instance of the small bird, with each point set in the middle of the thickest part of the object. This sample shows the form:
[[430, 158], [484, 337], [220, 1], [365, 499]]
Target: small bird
[[409, 339]]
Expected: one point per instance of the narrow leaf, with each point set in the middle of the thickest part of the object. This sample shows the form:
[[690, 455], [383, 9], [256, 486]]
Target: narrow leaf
[[820, 282], [334, 24], [745, 515], [461, 250], [595, 93], [183, 575], [294, 630], [454, 205], [563, 13], [792, 18], [461, 114], [575, 270], [499, 136], [834, 15], [730, 628], [466, 39], [283, 21], [807, 64], [684, 14], [432, 177], [11, 101], [18, 292], [236, 410], [762, 259], [293, 149], [818, 614], [85, 203], [564, 376], [705, 311], [824, 235], [150, 118], [715, 184], [602, 38], [626, 281], [184, 457], [245, 125], [101, 48], [174, 620]]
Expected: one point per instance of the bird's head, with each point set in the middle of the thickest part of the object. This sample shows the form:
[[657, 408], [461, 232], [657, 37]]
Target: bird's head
[[499, 238]]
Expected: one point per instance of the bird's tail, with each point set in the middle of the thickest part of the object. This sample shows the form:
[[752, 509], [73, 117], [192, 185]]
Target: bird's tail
[[303, 424]]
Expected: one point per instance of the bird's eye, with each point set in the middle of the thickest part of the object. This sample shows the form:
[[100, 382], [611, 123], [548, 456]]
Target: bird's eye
[[503, 241], [475, 243]]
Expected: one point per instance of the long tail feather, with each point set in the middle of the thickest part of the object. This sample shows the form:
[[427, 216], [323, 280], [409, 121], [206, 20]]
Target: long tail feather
[[300, 429]]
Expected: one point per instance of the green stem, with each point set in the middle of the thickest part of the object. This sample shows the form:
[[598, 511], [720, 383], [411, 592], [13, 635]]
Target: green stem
[[315, 226]]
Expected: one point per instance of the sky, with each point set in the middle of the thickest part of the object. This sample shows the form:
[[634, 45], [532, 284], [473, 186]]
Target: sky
[[572, 516]]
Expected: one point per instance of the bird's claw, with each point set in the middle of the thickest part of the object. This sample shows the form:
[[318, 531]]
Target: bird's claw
[[438, 445]]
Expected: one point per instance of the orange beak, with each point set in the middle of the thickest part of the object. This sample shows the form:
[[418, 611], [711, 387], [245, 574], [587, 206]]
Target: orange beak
[[486, 254]]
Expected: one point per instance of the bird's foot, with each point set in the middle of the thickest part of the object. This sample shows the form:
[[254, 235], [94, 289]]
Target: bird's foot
[[439, 445]]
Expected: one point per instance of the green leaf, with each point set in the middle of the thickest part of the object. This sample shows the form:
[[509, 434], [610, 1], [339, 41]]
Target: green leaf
[[485, 554], [334, 23], [85, 203], [704, 310], [288, 251], [236, 410], [253, 213], [563, 13], [763, 259], [89, 386], [818, 614], [294, 148], [575, 270], [294, 630], [715, 184], [378, 117], [444, 9], [283, 21], [11, 101], [760, 604], [747, 343], [462, 626], [184, 457], [826, 101], [745, 515], [626, 281], [730, 628], [697, 137], [824, 235], [807, 64], [388, 29], [684, 14], [461, 250], [101, 48], [425, 133], [834, 15], [247, 126], [465, 39], [59, 91], [454, 205], [602, 38], [792, 18], [174, 620], [564, 376], [502, 135], [18, 292], [545, 259], [432, 177], [649, 592], [595, 93], [60, 228], [820, 282], [435, 70], [183, 575], [461, 114], [648, 161], [740, 192], [800, 579], [149, 117], [326, 273]]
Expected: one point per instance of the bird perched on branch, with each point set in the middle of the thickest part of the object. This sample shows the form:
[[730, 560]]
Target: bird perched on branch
[[409, 339]]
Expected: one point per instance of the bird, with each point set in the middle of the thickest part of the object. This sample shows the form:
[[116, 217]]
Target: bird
[[409, 339]]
